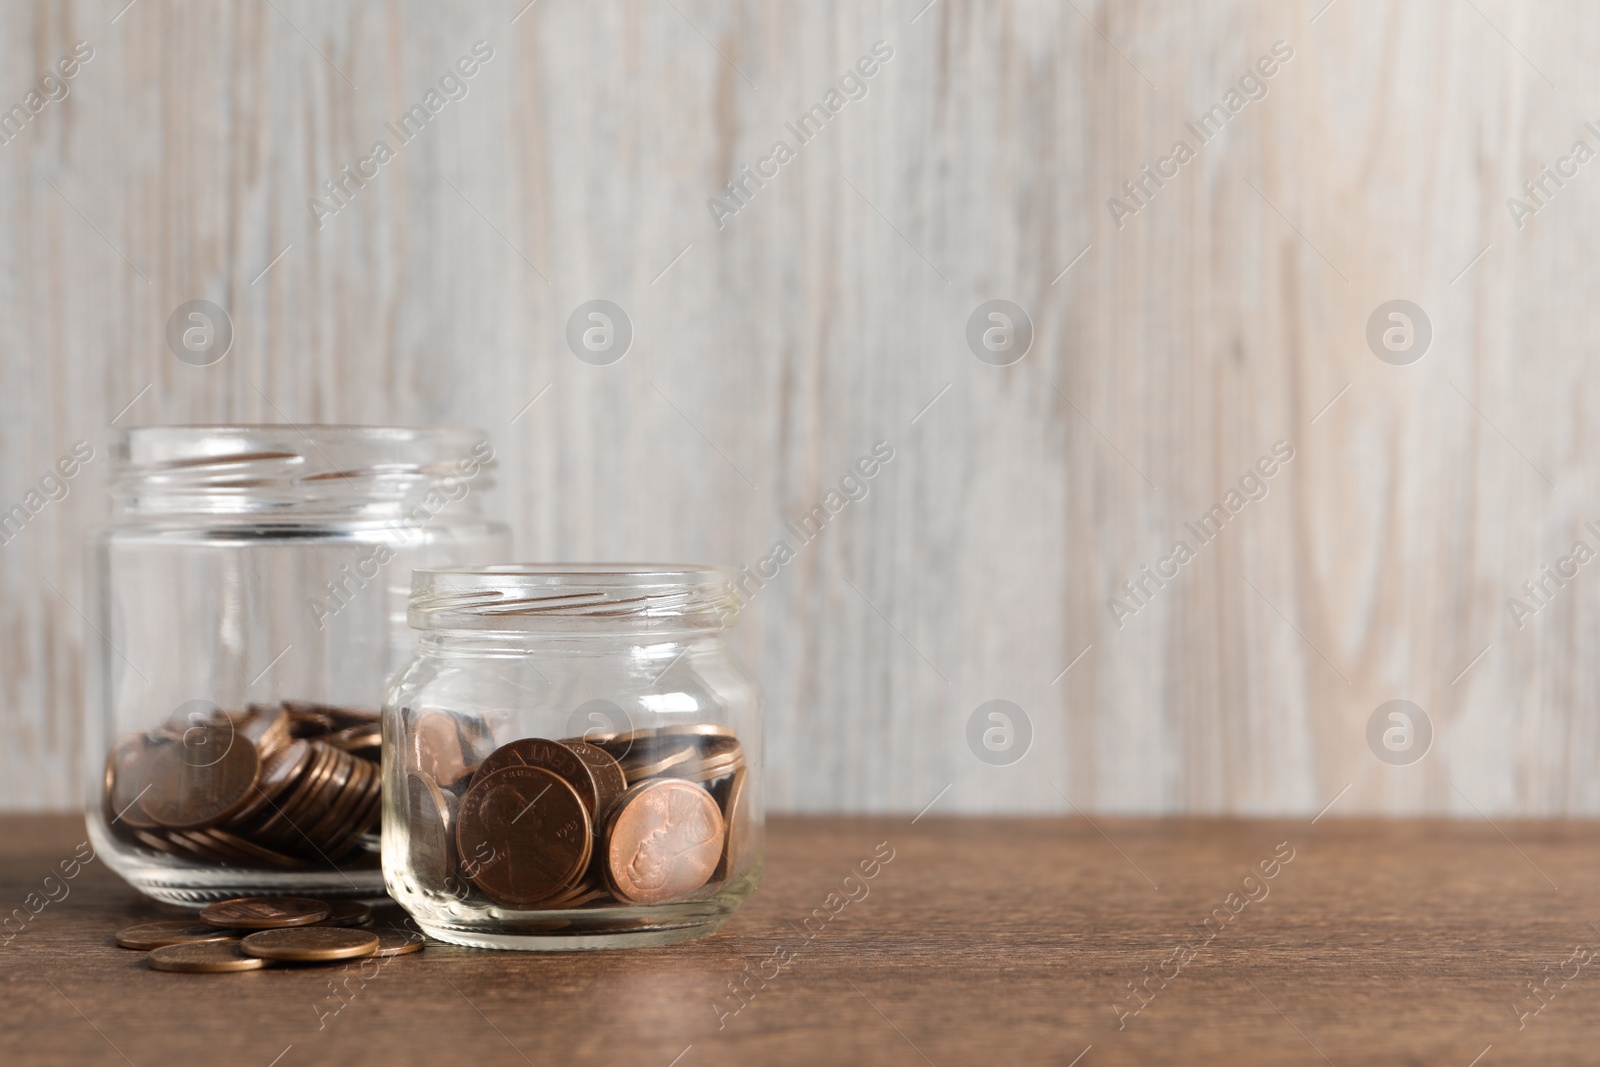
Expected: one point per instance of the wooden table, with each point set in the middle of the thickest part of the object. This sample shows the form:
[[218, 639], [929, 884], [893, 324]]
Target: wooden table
[[983, 941]]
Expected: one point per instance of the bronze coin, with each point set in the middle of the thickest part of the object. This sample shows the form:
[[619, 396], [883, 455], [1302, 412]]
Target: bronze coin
[[654, 762], [127, 781], [737, 846], [264, 913], [201, 779], [430, 827], [203, 957], [434, 747], [663, 735], [147, 936], [664, 841], [311, 944], [552, 756], [392, 942], [266, 725], [609, 781], [537, 829], [348, 913], [279, 771]]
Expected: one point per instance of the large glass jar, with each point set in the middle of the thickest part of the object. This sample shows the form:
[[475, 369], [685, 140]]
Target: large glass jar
[[573, 759], [247, 609]]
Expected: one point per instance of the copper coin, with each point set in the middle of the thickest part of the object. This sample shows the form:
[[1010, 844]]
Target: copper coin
[[264, 913], [278, 772], [311, 944], [609, 781], [204, 957], [434, 747], [663, 735], [738, 844], [653, 762], [664, 841], [127, 779], [201, 779], [537, 830], [147, 936], [392, 942], [431, 829], [552, 756], [348, 913]]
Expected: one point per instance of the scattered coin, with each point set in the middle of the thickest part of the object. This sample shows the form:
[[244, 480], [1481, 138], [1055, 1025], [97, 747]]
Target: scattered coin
[[348, 913], [204, 957], [264, 913], [392, 942], [310, 944], [147, 936]]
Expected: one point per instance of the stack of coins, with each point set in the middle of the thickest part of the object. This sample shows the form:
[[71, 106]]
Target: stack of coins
[[646, 817], [250, 933], [287, 786]]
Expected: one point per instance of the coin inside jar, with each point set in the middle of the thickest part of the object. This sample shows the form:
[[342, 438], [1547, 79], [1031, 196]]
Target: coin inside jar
[[430, 819], [664, 841], [536, 829], [204, 957], [310, 944], [551, 755], [264, 913], [146, 936], [201, 779], [609, 781]]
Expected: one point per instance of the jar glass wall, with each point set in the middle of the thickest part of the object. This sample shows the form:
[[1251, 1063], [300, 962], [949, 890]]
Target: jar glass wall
[[247, 609], [573, 759]]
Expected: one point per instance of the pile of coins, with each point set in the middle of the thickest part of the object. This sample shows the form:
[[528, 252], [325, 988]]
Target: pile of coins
[[645, 817], [286, 786], [255, 932]]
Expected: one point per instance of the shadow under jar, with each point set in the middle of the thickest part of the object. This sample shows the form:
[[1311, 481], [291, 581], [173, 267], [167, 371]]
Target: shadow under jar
[[573, 759], [247, 609]]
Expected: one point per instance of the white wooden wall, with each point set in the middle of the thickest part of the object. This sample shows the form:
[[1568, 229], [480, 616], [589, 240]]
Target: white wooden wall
[[831, 310]]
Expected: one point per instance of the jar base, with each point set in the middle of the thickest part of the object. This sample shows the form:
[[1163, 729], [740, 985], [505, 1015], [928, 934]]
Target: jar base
[[556, 941], [191, 888]]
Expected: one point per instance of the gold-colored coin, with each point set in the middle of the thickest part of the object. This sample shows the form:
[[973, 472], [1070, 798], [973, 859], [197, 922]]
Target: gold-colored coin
[[204, 957], [146, 936], [264, 913], [310, 944]]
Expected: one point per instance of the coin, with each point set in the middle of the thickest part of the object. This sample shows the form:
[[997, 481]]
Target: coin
[[536, 827], [202, 779], [147, 936], [435, 747], [203, 957], [664, 841], [311, 944], [609, 781], [348, 913], [430, 827], [737, 843], [552, 756], [279, 771], [392, 942], [127, 776], [264, 913]]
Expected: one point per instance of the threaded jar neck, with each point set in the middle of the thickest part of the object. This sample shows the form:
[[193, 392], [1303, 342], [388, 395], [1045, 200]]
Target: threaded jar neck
[[576, 598], [298, 473]]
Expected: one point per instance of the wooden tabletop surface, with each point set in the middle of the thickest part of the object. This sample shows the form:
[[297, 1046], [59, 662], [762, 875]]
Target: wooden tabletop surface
[[981, 941]]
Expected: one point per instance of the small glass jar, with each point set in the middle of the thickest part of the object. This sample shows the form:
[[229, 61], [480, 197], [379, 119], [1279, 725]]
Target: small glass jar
[[573, 759], [247, 609]]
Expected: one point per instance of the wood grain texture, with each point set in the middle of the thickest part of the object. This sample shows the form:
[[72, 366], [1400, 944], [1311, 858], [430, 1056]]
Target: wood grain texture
[[980, 941], [770, 353]]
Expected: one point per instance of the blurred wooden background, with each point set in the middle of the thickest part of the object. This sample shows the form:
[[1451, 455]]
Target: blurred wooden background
[[1226, 314]]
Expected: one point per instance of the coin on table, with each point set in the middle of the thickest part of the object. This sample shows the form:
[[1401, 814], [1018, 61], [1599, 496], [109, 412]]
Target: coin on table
[[609, 781], [146, 936], [311, 944], [264, 913], [202, 779], [536, 830], [665, 839], [552, 756], [392, 942], [204, 957], [348, 913]]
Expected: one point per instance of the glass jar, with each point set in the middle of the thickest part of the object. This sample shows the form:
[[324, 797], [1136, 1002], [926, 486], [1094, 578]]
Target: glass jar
[[573, 759], [246, 608]]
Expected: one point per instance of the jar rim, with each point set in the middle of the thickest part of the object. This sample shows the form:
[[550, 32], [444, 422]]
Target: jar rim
[[628, 597]]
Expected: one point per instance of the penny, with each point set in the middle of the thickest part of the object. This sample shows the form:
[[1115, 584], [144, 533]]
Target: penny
[[553, 756], [664, 841], [737, 845], [609, 781], [392, 942], [430, 827], [536, 827], [278, 772], [264, 913], [203, 957], [654, 764], [347, 913], [146, 936], [434, 746], [127, 776], [310, 944], [201, 779]]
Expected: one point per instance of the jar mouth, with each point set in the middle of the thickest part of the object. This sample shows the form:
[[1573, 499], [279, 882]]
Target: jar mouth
[[323, 469], [631, 597]]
